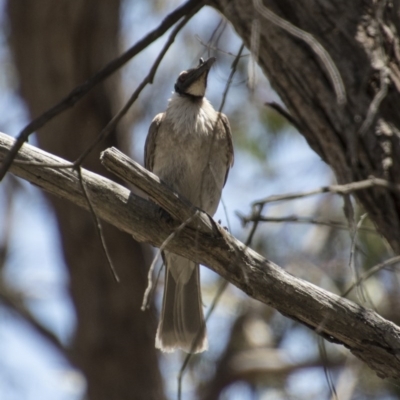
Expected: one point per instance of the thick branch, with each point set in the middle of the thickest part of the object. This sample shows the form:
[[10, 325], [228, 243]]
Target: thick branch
[[371, 338], [358, 139]]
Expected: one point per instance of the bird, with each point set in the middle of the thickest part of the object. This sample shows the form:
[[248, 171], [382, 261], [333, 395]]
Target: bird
[[189, 147]]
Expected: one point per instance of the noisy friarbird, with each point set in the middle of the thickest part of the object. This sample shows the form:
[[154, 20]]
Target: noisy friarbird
[[189, 146]]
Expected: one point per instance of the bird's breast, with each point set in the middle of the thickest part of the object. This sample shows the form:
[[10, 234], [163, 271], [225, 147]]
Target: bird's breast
[[191, 158]]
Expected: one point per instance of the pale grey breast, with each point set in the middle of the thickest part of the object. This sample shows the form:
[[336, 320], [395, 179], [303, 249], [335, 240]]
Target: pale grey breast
[[193, 160]]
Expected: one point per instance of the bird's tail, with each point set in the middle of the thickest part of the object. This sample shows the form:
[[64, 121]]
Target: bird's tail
[[182, 321]]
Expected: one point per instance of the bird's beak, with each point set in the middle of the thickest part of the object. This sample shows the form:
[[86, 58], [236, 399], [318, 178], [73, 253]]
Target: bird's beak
[[193, 75], [197, 72]]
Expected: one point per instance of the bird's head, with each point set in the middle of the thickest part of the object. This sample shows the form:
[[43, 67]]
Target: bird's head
[[193, 82]]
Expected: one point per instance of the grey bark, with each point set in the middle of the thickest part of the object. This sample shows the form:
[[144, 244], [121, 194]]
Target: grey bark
[[367, 335], [362, 38]]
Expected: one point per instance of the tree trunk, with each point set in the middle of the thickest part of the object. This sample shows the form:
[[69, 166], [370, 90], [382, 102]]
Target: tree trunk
[[57, 45], [361, 36]]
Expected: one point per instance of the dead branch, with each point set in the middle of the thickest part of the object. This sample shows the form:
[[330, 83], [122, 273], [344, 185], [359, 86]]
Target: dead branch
[[366, 334]]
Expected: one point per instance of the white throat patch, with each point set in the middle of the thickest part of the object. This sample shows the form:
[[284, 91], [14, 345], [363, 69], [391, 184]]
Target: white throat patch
[[198, 88]]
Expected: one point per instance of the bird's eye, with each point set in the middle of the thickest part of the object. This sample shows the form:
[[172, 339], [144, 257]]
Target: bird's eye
[[182, 76]]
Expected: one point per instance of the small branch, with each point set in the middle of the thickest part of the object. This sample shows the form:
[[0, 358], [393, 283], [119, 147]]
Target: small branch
[[220, 291], [209, 47], [300, 220], [370, 272], [81, 90], [365, 333], [110, 127], [285, 114], [352, 261], [338, 189], [145, 303], [98, 226]]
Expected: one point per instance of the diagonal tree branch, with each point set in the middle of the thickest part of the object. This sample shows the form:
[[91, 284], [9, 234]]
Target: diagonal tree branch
[[367, 335], [78, 92]]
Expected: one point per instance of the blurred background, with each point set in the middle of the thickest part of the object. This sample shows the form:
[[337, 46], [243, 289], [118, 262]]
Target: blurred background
[[67, 330]]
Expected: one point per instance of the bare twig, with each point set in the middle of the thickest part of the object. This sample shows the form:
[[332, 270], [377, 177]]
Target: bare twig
[[173, 235], [319, 50], [211, 47], [221, 289], [352, 263], [147, 80], [221, 107], [285, 114], [78, 92], [301, 220], [98, 226], [325, 362], [338, 189], [370, 272]]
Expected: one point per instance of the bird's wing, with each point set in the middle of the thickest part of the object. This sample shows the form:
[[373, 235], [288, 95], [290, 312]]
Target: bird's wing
[[228, 135], [150, 145]]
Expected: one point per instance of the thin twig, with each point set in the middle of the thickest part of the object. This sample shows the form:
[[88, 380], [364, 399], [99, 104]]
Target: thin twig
[[220, 33], [325, 361], [301, 220], [147, 80], [352, 264], [221, 107], [98, 226], [211, 47], [78, 92], [218, 294], [176, 231], [226, 214], [285, 114], [257, 214], [370, 272], [338, 189], [319, 50]]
